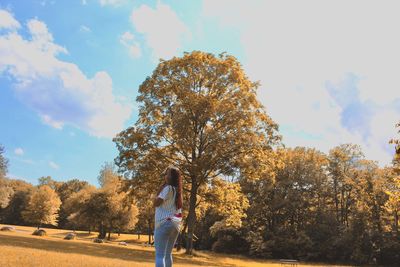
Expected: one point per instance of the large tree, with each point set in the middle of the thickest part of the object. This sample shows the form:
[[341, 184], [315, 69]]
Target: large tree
[[285, 207], [344, 160], [199, 112]]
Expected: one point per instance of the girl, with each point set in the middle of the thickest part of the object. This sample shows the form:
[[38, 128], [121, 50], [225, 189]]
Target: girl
[[168, 216]]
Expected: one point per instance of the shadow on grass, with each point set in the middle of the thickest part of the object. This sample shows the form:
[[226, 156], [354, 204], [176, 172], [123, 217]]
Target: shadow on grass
[[80, 236], [89, 237], [97, 250]]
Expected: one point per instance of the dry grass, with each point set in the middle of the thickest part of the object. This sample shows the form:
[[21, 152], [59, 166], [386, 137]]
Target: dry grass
[[20, 248]]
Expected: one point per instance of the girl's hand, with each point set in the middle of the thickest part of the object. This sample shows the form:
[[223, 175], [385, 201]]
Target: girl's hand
[[161, 188]]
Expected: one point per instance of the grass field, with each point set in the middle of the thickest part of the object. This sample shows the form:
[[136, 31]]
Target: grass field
[[20, 248]]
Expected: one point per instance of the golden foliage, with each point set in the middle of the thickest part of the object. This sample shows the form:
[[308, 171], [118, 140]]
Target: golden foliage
[[200, 113], [396, 160], [229, 202], [43, 206]]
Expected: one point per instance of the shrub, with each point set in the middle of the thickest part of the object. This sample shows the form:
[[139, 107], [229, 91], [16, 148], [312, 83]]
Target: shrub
[[230, 241], [390, 252]]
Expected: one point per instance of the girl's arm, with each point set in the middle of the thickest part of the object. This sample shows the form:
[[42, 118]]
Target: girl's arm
[[161, 188], [157, 200]]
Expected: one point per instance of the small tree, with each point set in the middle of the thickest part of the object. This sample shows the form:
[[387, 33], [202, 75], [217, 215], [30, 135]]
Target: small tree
[[146, 217], [6, 193], [394, 191], [127, 217], [74, 205], [42, 207], [64, 191], [107, 175], [5, 190], [396, 160], [393, 203], [230, 203], [12, 214], [47, 180], [3, 163]]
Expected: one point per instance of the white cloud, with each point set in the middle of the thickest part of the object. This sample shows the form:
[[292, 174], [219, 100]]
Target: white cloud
[[57, 90], [84, 28], [19, 151], [53, 165], [7, 20], [46, 119], [112, 2], [295, 48], [128, 40], [163, 30], [84, 2], [127, 36]]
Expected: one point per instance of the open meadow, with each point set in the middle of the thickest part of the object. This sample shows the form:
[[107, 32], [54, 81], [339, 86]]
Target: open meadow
[[21, 248]]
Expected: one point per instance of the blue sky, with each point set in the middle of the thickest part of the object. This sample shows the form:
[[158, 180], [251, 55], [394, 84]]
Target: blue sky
[[70, 71]]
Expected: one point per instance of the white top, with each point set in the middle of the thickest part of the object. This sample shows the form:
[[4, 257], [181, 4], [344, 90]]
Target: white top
[[168, 208]]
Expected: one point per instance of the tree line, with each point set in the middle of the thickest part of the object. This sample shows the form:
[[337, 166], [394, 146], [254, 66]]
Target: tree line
[[335, 207], [200, 112], [73, 204]]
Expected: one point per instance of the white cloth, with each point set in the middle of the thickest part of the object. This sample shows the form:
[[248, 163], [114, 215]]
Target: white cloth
[[167, 209]]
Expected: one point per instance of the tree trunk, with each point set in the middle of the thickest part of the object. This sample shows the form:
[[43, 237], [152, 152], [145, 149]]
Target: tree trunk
[[109, 231], [102, 232], [180, 237], [335, 193], [396, 222], [342, 206], [149, 230], [347, 208], [191, 220]]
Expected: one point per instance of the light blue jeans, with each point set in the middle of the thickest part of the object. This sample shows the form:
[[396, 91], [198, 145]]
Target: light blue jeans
[[164, 240]]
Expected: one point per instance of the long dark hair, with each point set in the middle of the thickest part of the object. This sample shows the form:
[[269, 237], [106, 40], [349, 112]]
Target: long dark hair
[[176, 181]]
